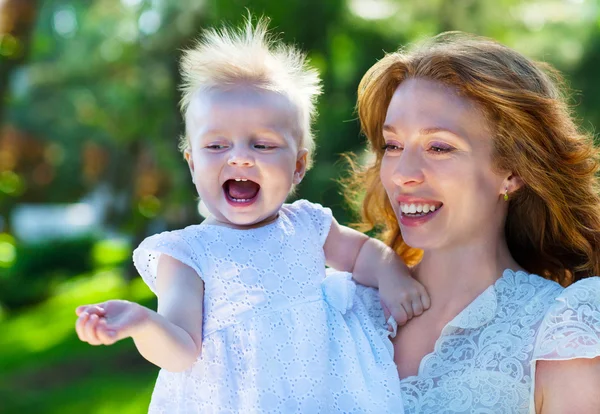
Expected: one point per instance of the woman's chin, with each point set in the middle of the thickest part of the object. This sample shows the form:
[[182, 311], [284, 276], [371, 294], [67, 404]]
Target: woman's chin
[[419, 238]]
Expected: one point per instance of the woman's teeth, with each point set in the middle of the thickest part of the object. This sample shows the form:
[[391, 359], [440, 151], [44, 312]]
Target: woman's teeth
[[417, 209]]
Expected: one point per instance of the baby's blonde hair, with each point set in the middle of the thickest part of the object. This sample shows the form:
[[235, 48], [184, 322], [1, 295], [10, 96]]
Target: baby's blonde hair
[[251, 55]]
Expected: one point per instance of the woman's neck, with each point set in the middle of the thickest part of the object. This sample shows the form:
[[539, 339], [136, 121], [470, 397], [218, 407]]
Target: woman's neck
[[455, 277]]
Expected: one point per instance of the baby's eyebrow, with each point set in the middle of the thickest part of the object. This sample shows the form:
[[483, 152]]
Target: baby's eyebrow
[[202, 133], [269, 131]]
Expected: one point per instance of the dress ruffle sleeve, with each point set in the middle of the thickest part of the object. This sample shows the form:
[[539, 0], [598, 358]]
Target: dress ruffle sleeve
[[319, 217], [571, 327], [172, 243]]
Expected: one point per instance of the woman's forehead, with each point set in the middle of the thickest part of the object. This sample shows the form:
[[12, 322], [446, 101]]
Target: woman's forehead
[[428, 104]]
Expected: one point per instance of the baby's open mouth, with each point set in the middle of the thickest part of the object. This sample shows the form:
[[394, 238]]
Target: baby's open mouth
[[241, 190]]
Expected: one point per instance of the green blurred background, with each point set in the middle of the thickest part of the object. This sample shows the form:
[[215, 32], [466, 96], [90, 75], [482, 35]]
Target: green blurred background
[[89, 163]]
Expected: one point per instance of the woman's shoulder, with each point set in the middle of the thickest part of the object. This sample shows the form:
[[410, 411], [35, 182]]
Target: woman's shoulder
[[571, 325], [527, 288], [585, 292]]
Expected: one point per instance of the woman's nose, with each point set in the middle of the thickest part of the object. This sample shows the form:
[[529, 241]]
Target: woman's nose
[[408, 169]]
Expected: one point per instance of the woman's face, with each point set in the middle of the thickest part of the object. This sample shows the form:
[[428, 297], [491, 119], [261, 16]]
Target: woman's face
[[437, 168]]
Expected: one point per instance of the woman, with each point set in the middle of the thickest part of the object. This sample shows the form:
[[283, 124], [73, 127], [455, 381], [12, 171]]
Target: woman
[[482, 181]]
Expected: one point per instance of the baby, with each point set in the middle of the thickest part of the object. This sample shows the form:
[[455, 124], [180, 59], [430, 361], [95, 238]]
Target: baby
[[247, 319]]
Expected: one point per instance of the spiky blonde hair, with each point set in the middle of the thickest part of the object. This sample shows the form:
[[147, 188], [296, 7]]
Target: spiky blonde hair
[[250, 54]]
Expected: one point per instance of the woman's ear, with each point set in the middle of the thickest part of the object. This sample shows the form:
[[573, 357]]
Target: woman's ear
[[512, 183], [300, 166]]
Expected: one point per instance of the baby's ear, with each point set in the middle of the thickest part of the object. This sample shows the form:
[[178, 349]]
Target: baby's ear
[[187, 154], [300, 170]]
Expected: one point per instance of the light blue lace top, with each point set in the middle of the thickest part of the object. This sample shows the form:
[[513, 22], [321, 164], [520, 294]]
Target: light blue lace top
[[484, 360]]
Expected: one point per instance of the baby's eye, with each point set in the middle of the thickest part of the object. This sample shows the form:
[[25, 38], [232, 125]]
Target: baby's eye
[[264, 146], [216, 146]]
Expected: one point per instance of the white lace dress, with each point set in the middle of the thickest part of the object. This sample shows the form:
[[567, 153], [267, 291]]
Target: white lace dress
[[278, 335], [484, 360]]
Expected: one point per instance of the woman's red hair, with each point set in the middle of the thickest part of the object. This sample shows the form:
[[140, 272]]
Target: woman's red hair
[[553, 222]]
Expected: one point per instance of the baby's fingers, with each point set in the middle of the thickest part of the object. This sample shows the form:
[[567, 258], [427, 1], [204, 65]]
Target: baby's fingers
[[90, 330], [417, 307], [106, 335], [401, 315], [80, 324], [425, 300], [386, 311], [91, 309]]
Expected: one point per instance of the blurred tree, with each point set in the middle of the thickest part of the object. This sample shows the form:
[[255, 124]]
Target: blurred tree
[[99, 94], [17, 18]]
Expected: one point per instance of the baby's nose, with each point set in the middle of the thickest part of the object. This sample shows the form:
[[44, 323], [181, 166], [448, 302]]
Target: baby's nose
[[241, 160]]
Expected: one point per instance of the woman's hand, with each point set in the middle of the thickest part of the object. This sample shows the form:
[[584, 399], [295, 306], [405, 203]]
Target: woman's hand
[[108, 322]]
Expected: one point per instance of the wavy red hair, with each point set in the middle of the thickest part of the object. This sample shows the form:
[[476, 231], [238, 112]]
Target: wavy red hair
[[553, 222]]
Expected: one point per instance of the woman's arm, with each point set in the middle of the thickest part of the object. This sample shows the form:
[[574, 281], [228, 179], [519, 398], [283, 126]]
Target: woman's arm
[[568, 387]]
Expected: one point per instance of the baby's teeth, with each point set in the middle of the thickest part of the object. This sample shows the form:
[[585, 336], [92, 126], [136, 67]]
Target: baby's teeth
[[426, 208], [412, 209], [419, 208], [432, 209]]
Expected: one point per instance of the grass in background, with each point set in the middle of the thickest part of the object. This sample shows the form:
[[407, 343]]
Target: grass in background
[[44, 368]]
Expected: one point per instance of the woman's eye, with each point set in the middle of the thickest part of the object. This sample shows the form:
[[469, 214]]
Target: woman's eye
[[440, 149], [391, 148]]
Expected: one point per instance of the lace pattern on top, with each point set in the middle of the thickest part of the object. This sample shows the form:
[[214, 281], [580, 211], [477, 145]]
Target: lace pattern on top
[[484, 360]]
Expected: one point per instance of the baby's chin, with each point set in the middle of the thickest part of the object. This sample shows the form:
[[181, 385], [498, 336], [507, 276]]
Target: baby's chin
[[259, 222], [243, 223]]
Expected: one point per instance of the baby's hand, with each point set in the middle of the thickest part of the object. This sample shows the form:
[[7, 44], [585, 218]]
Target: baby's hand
[[402, 297], [108, 322]]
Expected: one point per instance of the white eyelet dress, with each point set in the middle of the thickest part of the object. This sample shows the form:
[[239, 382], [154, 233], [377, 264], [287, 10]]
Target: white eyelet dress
[[278, 335]]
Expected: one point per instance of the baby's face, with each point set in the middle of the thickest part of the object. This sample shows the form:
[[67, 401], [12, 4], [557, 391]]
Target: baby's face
[[245, 153]]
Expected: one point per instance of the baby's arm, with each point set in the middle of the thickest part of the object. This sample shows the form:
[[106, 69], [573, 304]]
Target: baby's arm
[[170, 338], [375, 264]]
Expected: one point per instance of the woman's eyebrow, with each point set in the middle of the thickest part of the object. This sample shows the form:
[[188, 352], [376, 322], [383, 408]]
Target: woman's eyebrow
[[423, 131], [435, 130], [389, 128]]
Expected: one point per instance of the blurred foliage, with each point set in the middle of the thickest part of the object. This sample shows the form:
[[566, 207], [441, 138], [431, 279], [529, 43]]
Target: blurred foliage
[[96, 101], [44, 368], [88, 100], [39, 267]]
